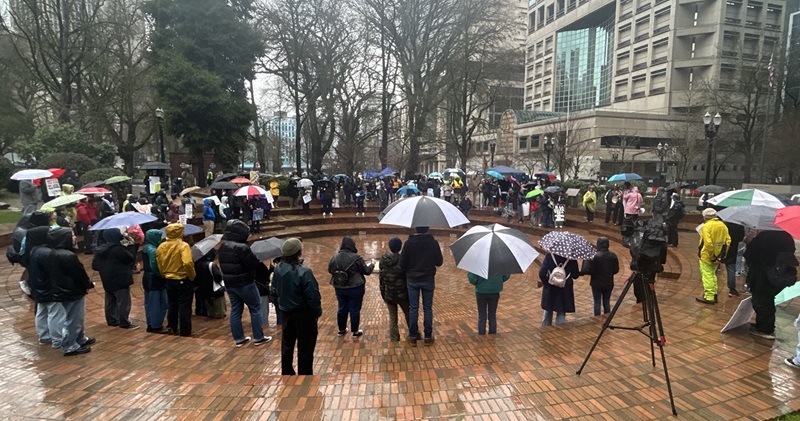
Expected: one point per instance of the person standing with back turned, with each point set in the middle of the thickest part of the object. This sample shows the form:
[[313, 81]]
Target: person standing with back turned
[[420, 257]]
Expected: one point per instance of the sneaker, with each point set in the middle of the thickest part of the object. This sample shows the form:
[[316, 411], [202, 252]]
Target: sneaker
[[360, 332], [790, 363], [130, 327], [262, 341], [45, 342], [341, 332], [733, 293], [162, 331], [23, 285], [428, 341], [703, 300], [242, 342], [89, 341], [412, 340], [755, 332], [79, 351]]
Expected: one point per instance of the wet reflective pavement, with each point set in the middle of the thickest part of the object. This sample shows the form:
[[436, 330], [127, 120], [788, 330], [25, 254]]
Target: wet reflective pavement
[[524, 372]]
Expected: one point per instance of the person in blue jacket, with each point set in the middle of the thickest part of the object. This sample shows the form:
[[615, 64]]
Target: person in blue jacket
[[554, 299], [487, 295], [208, 216]]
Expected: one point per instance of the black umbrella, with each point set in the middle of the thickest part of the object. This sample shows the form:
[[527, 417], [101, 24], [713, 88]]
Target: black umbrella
[[493, 250], [267, 249], [553, 189], [226, 177], [224, 185], [711, 188], [677, 186], [153, 165]]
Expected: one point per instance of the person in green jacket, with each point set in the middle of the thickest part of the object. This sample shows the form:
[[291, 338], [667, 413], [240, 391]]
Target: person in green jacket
[[487, 294]]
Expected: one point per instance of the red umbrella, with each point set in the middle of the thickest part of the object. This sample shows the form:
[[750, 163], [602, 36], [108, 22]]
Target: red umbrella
[[240, 180], [57, 172], [545, 174], [788, 219], [93, 190], [250, 191]]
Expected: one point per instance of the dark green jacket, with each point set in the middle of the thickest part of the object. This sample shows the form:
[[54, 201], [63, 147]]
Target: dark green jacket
[[295, 289], [492, 285], [392, 279]]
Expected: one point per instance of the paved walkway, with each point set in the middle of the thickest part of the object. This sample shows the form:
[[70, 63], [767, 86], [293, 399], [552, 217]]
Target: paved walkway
[[524, 372]]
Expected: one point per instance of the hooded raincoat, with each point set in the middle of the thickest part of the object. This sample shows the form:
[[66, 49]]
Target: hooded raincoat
[[174, 256]]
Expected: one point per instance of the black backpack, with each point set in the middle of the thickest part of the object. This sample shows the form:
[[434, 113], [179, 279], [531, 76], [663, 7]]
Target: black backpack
[[783, 273], [340, 277]]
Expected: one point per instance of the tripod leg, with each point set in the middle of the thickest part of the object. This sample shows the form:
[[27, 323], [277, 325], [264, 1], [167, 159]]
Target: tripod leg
[[606, 324], [662, 340], [649, 315]]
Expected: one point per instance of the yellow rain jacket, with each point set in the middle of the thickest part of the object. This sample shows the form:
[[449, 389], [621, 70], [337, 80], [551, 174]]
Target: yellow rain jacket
[[590, 200], [274, 188], [174, 256], [713, 238]]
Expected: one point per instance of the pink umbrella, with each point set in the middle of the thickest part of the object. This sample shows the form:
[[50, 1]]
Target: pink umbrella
[[93, 190], [250, 191]]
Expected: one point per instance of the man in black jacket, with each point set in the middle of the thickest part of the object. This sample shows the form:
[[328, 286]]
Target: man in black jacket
[[761, 254], [115, 264], [736, 232], [420, 257], [48, 313], [70, 285], [238, 265], [602, 269], [296, 291]]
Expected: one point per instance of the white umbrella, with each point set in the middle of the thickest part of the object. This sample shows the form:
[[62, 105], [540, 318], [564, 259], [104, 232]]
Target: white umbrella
[[304, 182], [493, 250], [31, 174], [251, 191], [423, 211], [753, 216], [746, 197]]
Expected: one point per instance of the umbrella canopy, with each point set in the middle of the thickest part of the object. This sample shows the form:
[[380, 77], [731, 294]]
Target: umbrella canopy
[[406, 190], [117, 179], [188, 190], [760, 217], [553, 189], [124, 219], [422, 211], [226, 176], [495, 174], [435, 175], [746, 197], [31, 174], [64, 200], [187, 231], [533, 193], [788, 219], [625, 177], [544, 175], [95, 184], [250, 191], [267, 249], [502, 169], [678, 186], [240, 180], [304, 182], [454, 171], [223, 185], [493, 250], [57, 172], [338, 177], [711, 188], [567, 244], [154, 165], [202, 247], [93, 190]]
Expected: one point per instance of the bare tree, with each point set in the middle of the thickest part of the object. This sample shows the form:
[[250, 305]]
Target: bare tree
[[569, 146], [685, 133]]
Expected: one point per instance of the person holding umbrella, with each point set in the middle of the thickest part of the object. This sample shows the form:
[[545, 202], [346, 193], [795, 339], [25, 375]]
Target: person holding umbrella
[[420, 257], [115, 264], [762, 253], [558, 300], [155, 293], [175, 263], [487, 295]]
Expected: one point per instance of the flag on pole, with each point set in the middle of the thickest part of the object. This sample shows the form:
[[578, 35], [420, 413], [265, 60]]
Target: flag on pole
[[771, 71]]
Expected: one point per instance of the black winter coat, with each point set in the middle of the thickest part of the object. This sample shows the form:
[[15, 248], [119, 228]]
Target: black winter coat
[[236, 260], [114, 262], [40, 284], [263, 273], [392, 279], [67, 273], [348, 257], [602, 268], [204, 278], [295, 289], [761, 254], [420, 257], [736, 232]]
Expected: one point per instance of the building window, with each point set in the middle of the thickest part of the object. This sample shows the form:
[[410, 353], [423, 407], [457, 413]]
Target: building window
[[522, 143], [535, 142]]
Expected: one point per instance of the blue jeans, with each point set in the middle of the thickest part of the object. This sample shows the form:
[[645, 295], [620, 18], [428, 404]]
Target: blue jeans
[[797, 325], [605, 296], [547, 318], [424, 288], [487, 308], [731, 274], [240, 296], [155, 308], [264, 310], [49, 317], [350, 300], [72, 326]]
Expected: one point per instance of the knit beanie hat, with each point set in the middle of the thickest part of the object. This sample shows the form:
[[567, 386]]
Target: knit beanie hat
[[395, 244], [291, 247]]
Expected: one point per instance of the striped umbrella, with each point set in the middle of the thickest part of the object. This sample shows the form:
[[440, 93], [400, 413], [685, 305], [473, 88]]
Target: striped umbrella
[[422, 211], [251, 191], [493, 250], [746, 197]]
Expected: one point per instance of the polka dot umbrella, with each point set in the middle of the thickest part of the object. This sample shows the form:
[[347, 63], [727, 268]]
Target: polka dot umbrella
[[568, 244]]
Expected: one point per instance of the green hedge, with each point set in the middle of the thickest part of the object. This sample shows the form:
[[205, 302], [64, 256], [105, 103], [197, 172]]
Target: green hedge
[[69, 161]]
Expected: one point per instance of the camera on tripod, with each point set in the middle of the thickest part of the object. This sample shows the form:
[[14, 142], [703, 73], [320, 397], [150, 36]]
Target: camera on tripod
[[648, 248]]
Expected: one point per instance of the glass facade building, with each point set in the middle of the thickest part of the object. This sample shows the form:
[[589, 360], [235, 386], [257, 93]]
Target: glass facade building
[[584, 58]]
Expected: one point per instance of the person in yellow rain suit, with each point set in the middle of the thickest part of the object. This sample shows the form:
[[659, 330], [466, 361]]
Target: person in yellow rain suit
[[714, 243]]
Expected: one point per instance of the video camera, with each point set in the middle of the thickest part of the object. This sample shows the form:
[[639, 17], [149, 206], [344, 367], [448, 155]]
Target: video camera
[[648, 248]]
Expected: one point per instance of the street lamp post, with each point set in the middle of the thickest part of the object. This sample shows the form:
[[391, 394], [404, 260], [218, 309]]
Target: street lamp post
[[711, 133], [548, 147], [492, 146], [160, 117], [662, 150]]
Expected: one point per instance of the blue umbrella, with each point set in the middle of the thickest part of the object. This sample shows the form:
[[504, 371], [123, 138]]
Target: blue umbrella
[[124, 219], [405, 190], [187, 231], [625, 177], [338, 177], [495, 174], [435, 175]]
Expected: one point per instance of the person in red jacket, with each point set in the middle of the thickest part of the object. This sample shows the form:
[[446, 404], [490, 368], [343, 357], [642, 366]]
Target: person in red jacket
[[87, 216]]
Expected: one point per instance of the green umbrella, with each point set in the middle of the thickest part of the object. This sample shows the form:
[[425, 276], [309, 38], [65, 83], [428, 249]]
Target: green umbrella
[[64, 200], [117, 179], [534, 193]]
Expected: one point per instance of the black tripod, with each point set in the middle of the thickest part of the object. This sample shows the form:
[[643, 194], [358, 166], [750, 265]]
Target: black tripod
[[651, 319]]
